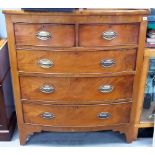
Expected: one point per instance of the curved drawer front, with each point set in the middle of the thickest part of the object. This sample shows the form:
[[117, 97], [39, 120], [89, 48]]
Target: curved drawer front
[[75, 89], [53, 35], [79, 115], [108, 34], [76, 62]]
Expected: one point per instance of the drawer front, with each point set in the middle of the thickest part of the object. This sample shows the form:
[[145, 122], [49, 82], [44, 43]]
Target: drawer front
[[76, 62], [108, 34], [75, 89], [79, 115], [53, 35]]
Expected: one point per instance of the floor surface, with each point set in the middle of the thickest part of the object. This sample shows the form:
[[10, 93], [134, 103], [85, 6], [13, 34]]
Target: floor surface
[[84, 139]]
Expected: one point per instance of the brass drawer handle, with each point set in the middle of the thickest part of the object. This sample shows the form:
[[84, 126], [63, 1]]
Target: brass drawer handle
[[104, 115], [45, 63], [47, 115], [106, 88], [109, 35], [107, 63], [43, 35], [47, 89]]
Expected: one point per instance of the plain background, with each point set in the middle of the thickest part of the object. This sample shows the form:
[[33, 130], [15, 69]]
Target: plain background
[[3, 33]]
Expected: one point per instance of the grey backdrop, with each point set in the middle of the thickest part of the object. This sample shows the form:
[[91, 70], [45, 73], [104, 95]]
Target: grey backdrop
[[3, 33]]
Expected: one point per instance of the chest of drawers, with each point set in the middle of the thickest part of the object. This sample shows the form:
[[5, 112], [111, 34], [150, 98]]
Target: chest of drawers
[[76, 71]]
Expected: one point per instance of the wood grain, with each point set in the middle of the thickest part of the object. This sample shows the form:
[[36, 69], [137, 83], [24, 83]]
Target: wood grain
[[72, 30], [91, 35], [14, 74], [83, 12], [76, 62], [69, 89], [84, 115], [61, 35]]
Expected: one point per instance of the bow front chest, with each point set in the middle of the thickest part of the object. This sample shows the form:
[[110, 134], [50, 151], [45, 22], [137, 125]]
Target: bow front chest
[[76, 71]]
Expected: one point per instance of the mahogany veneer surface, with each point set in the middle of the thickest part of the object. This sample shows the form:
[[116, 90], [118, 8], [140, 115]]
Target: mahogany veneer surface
[[76, 71]]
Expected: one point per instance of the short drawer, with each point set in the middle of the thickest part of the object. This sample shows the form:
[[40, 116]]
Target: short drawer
[[108, 34], [76, 62], [53, 35], [76, 115], [76, 88]]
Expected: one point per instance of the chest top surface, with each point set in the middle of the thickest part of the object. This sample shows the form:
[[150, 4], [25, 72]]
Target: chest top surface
[[83, 12]]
